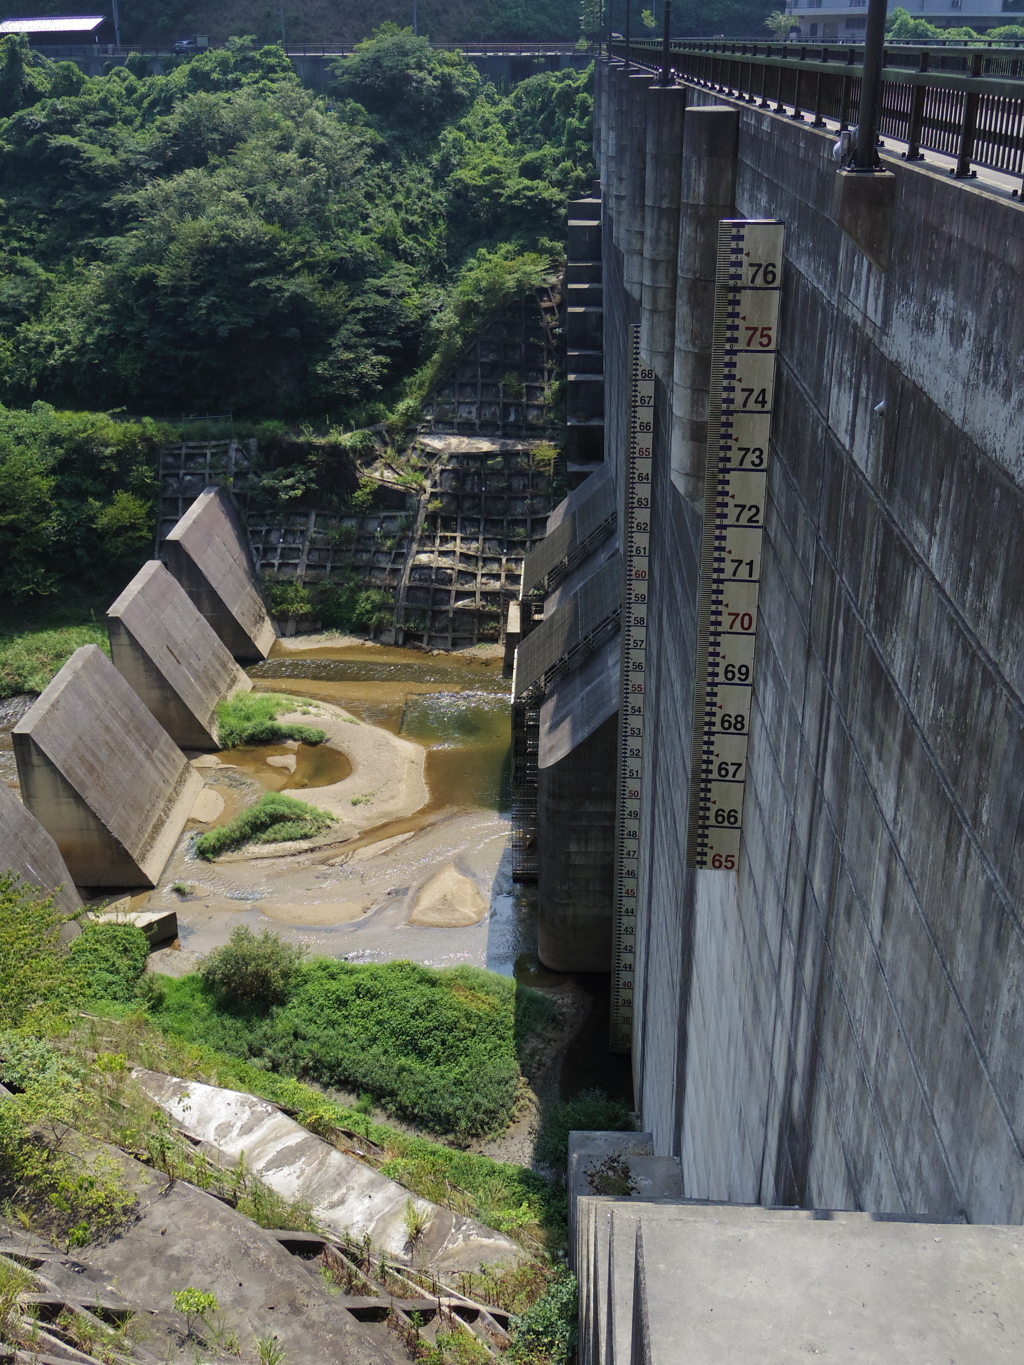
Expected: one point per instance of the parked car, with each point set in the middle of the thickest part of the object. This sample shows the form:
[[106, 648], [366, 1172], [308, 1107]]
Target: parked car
[[194, 44]]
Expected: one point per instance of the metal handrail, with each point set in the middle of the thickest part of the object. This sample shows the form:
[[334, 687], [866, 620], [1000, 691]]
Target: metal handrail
[[967, 104]]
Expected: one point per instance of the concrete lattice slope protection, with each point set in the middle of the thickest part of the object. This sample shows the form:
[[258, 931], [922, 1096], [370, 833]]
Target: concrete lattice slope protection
[[347, 1196], [102, 776], [172, 657]]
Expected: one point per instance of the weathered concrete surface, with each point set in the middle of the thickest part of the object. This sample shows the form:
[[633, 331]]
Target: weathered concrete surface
[[208, 553], [576, 855], [711, 1284], [587, 1148], [29, 851], [347, 1196], [706, 192], [171, 657], [102, 776], [159, 926], [184, 1237], [841, 1022]]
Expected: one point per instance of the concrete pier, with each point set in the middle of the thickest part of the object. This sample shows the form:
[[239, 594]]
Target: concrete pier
[[666, 106], [27, 850], [637, 90], [171, 657], [102, 776], [208, 553], [707, 194]]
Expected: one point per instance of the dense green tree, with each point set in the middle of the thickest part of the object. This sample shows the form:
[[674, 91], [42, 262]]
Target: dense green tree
[[220, 237]]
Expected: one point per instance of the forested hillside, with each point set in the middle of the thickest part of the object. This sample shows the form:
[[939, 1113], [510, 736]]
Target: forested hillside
[[327, 21], [342, 22], [221, 238]]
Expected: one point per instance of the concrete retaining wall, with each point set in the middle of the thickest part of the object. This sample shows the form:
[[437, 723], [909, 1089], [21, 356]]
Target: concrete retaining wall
[[840, 1023], [171, 657], [208, 553], [99, 773]]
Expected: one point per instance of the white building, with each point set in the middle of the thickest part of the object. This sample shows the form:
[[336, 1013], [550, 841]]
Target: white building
[[848, 18]]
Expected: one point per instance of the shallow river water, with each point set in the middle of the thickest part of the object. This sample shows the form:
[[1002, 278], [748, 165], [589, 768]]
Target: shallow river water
[[357, 905]]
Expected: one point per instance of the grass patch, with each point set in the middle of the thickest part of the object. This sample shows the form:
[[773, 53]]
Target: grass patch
[[30, 658], [436, 1047], [250, 718], [274, 819]]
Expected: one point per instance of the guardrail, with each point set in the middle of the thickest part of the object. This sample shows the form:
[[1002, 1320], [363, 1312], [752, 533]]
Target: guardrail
[[967, 103], [63, 51]]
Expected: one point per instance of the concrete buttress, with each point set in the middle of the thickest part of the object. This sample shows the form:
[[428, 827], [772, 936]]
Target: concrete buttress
[[172, 657], [27, 850], [102, 776], [208, 553]]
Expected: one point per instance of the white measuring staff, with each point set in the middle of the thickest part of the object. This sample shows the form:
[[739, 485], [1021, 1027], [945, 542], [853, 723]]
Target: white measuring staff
[[636, 550], [743, 358]]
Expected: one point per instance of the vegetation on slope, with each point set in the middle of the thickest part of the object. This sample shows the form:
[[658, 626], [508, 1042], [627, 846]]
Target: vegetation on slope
[[73, 1069], [326, 22], [436, 1047], [221, 237]]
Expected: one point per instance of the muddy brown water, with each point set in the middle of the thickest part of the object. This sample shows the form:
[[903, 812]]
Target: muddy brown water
[[459, 711], [315, 765]]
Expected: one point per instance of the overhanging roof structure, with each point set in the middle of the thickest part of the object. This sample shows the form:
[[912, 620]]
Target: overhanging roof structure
[[76, 23]]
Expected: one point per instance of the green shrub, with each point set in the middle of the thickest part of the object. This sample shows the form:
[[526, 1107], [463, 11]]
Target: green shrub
[[274, 819], [290, 601], [106, 961], [437, 1047], [589, 1111], [249, 718], [252, 969], [546, 1333]]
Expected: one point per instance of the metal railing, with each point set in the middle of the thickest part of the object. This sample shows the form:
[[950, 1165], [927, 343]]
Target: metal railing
[[963, 102]]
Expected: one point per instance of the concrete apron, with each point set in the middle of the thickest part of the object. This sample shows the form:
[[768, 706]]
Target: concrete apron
[[347, 1197]]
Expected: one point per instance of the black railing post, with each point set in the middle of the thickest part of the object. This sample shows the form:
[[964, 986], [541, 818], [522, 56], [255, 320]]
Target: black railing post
[[666, 45], [968, 125], [865, 155], [797, 102], [913, 152], [819, 122], [765, 101]]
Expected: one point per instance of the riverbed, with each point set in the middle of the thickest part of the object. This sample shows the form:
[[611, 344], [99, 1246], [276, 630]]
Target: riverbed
[[431, 883]]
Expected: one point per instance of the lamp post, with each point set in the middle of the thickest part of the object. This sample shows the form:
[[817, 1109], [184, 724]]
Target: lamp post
[[865, 155], [666, 45], [625, 34]]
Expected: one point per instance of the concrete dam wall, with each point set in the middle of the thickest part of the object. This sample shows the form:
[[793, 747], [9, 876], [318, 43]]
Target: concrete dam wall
[[839, 1023]]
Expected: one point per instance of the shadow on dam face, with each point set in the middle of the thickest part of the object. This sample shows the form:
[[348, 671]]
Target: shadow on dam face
[[588, 1064]]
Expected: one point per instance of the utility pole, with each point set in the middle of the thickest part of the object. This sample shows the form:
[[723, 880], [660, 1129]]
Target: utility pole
[[865, 155], [416, 17], [282, 22], [117, 24]]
